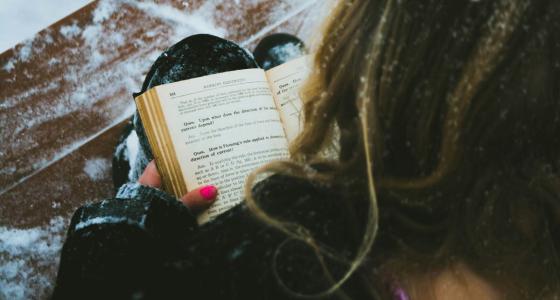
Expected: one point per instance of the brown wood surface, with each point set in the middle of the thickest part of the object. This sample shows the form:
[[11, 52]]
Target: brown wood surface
[[65, 96]]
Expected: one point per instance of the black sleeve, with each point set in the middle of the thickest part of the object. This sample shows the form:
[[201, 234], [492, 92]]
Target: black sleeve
[[153, 249], [237, 256], [113, 247]]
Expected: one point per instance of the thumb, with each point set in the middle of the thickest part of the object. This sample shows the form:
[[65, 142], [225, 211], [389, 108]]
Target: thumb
[[150, 177], [200, 198]]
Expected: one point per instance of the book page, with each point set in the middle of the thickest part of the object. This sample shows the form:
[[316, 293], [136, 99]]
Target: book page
[[223, 126], [285, 82]]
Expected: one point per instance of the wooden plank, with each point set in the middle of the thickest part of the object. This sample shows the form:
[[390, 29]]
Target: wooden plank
[[38, 213]]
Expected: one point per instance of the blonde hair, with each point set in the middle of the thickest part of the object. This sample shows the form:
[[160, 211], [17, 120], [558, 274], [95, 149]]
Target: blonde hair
[[364, 78]]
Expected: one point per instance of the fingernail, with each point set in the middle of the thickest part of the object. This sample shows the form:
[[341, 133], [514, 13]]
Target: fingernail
[[209, 192]]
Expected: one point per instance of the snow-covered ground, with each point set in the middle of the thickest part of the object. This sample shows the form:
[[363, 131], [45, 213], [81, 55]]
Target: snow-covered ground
[[20, 20]]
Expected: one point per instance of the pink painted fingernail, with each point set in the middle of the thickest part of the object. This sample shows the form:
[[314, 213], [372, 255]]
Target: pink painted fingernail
[[208, 192]]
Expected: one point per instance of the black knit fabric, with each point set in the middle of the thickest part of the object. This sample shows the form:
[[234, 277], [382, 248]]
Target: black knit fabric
[[149, 247]]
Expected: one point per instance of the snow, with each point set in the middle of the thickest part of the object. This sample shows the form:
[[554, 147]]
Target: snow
[[53, 61], [284, 53], [25, 51], [132, 147], [9, 66], [8, 171], [287, 51], [23, 54], [40, 89], [285, 16], [23, 252], [103, 11], [99, 220], [70, 31], [183, 22], [25, 18], [66, 150], [97, 168]]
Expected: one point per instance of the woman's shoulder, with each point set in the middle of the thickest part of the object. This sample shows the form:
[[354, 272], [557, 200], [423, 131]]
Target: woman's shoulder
[[240, 251], [281, 197], [223, 258]]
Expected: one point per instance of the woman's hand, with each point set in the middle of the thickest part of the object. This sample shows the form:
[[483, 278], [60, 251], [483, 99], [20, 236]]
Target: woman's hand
[[196, 200]]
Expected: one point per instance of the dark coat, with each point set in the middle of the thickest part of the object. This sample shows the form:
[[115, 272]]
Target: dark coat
[[151, 247]]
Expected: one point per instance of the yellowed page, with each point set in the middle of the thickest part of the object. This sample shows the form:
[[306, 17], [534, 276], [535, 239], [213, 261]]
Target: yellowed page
[[223, 126], [285, 82]]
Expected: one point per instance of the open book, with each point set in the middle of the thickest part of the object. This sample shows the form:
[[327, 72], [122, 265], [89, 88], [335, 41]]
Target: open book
[[218, 128]]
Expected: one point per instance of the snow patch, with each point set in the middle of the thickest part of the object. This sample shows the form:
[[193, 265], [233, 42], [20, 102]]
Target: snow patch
[[70, 31], [287, 51], [184, 23], [103, 11], [100, 220], [24, 256], [132, 146], [284, 53], [281, 15], [117, 39], [9, 66], [53, 61], [8, 170], [97, 168], [25, 51], [21, 20], [42, 88], [22, 55], [48, 38]]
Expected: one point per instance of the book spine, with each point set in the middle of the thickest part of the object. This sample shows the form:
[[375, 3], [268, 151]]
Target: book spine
[[155, 126]]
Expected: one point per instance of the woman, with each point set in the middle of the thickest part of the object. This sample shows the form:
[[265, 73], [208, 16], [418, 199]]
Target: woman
[[446, 184]]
